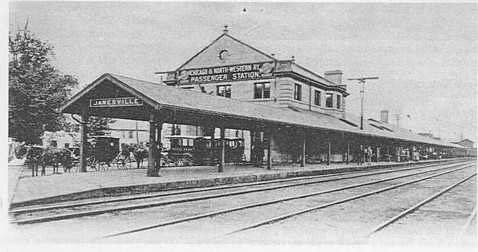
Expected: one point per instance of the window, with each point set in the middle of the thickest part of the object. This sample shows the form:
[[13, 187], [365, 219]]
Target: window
[[262, 90], [176, 129], [317, 98], [328, 100], [130, 134], [298, 92], [224, 90], [338, 101]]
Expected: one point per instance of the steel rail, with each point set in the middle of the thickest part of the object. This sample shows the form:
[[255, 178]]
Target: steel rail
[[98, 202], [187, 200], [286, 216], [415, 207], [201, 216]]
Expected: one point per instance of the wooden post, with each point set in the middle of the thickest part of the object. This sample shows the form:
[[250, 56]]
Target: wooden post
[[302, 163], [158, 147], [222, 159], [269, 161], [84, 140], [329, 153], [213, 147], [348, 153], [152, 147], [251, 136]]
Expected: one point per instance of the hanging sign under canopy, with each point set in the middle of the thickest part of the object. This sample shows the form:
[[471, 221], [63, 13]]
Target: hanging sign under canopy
[[115, 102]]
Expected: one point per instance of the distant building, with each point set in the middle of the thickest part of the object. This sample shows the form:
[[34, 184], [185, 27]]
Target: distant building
[[61, 139], [469, 146], [467, 143]]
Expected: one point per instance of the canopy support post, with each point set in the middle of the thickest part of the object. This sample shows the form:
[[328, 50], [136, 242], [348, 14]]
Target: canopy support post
[[302, 163], [222, 159], [84, 140]]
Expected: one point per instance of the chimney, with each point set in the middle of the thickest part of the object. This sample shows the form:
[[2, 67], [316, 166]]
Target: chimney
[[334, 76], [384, 116]]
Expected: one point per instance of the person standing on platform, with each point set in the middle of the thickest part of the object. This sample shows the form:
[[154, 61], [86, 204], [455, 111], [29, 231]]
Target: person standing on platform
[[369, 155], [260, 154], [359, 154], [257, 154]]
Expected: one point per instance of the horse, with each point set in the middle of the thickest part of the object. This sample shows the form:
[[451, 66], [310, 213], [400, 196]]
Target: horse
[[139, 153], [66, 159], [34, 157], [51, 156]]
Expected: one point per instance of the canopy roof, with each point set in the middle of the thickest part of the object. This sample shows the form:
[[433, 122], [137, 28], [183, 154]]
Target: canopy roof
[[184, 106]]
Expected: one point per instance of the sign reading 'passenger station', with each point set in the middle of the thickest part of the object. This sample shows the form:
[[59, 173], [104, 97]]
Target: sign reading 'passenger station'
[[116, 102], [227, 73]]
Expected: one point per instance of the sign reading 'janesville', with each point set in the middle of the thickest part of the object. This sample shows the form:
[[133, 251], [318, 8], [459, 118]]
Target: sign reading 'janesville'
[[116, 102], [227, 73]]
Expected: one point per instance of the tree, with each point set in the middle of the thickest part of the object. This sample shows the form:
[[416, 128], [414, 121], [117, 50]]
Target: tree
[[36, 88], [97, 126]]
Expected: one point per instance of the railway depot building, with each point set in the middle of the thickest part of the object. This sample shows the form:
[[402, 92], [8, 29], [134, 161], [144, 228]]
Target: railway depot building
[[230, 89]]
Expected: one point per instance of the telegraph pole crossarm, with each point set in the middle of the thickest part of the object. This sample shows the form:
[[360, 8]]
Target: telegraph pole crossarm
[[362, 91]]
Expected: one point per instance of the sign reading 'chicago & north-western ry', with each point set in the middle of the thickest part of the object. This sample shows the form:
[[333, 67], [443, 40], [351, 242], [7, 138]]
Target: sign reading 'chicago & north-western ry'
[[227, 73], [116, 102]]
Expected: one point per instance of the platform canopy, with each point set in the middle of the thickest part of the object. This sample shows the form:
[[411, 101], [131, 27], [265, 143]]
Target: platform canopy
[[120, 97]]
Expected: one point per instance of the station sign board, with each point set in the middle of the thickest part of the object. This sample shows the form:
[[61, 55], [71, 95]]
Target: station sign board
[[249, 71], [115, 102]]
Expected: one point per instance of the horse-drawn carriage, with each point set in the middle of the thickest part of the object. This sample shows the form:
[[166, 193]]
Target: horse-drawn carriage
[[101, 152], [37, 155]]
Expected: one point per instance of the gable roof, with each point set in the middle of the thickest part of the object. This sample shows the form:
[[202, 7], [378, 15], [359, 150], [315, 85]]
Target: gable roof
[[225, 37], [192, 102]]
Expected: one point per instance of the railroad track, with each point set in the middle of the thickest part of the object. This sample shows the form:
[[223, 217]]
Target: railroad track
[[418, 205], [449, 169], [79, 203], [66, 211], [340, 201]]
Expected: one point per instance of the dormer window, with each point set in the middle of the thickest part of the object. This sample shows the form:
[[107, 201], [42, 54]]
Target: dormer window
[[328, 100], [317, 98]]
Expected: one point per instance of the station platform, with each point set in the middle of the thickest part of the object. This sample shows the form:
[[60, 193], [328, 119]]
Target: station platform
[[24, 190]]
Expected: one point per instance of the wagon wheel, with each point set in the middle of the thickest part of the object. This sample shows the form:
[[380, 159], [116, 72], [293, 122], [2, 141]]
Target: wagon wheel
[[102, 166], [123, 163], [74, 166], [96, 165], [128, 163], [93, 164], [120, 163]]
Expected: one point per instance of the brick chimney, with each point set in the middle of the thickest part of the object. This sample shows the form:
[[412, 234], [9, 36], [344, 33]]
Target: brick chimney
[[384, 116], [334, 76]]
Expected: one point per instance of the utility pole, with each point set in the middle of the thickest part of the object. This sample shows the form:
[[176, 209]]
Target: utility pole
[[362, 92], [398, 117]]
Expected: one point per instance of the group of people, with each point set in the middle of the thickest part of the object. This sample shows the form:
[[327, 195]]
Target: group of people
[[364, 155]]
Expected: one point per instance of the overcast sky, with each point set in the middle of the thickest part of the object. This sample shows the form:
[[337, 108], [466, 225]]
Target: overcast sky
[[425, 55]]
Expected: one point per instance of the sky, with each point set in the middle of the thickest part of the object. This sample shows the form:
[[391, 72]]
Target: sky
[[425, 54]]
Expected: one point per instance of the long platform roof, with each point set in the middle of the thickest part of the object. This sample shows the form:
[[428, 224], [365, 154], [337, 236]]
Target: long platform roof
[[186, 103]]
